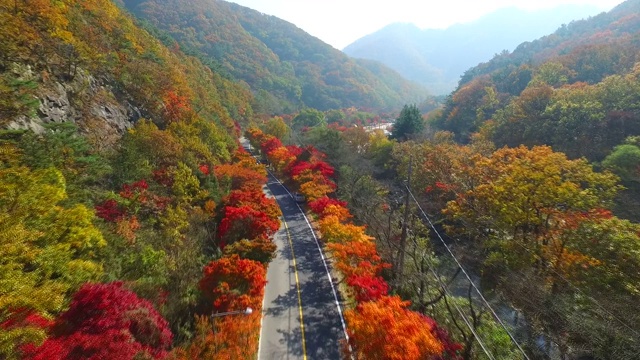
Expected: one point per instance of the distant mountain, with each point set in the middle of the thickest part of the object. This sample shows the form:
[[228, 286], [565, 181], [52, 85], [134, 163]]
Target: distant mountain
[[285, 67], [615, 30], [437, 58]]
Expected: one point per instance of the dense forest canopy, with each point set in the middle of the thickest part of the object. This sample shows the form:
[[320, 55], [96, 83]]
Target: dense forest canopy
[[109, 200], [575, 89], [285, 67], [129, 213]]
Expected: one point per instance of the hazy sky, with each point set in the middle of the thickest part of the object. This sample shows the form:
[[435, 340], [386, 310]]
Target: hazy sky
[[340, 22]]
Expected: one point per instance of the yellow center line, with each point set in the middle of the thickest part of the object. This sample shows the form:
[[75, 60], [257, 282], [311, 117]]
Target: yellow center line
[[295, 271]]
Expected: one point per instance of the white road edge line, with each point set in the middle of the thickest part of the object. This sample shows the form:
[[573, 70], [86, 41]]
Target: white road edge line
[[326, 267], [261, 327], [265, 186]]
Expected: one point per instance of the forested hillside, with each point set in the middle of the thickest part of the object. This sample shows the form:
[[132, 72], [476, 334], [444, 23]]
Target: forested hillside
[[572, 90], [130, 217], [533, 230], [575, 90], [523, 190], [129, 214], [285, 67], [120, 179]]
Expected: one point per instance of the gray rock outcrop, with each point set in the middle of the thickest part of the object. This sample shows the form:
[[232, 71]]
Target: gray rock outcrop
[[85, 102]]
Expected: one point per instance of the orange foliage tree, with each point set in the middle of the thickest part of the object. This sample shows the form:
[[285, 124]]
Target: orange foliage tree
[[385, 329], [531, 198], [334, 231], [240, 177], [314, 185], [176, 106], [319, 206], [232, 283], [231, 337], [357, 258], [380, 327], [281, 158]]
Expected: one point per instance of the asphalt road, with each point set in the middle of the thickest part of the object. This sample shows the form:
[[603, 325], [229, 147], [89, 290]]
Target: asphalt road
[[301, 317]]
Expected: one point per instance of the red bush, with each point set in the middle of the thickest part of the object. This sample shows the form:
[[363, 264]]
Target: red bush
[[256, 199], [295, 150], [204, 169], [318, 206], [451, 349], [298, 167], [109, 210], [162, 177], [129, 191], [106, 321], [323, 168], [368, 288], [23, 318], [245, 222]]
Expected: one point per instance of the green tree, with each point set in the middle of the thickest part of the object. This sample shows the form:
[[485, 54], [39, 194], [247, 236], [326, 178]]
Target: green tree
[[329, 142], [336, 116], [62, 147], [276, 127], [143, 149], [16, 97], [409, 123], [624, 161], [552, 73], [308, 118]]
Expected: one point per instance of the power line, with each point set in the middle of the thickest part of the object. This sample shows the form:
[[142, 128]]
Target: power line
[[447, 292], [462, 315], [592, 299], [493, 312], [583, 293]]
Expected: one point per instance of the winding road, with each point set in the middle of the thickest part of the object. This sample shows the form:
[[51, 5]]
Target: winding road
[[301, 312]]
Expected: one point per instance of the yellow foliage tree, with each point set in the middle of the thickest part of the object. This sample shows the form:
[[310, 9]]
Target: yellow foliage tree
[[314, 185], [46, 250], [528, 198], [333, 231]]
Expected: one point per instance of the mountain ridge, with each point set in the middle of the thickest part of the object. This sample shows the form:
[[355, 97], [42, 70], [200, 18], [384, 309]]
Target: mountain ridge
[[286, 68], [572, 89], [428, 57]]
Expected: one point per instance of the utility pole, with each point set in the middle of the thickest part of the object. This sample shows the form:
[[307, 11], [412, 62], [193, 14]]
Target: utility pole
[[405, 221]]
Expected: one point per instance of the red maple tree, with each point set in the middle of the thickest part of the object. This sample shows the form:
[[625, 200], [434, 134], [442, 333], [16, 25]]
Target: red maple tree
[[244, 222], [106, 321], [109, 210], [368, 288], [318, 206]]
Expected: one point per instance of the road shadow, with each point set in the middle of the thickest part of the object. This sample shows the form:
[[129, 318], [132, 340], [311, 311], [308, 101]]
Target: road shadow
[[323, 327], [283, 302]]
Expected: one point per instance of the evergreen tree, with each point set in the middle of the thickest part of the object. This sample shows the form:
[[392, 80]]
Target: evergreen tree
[[408, 123]]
